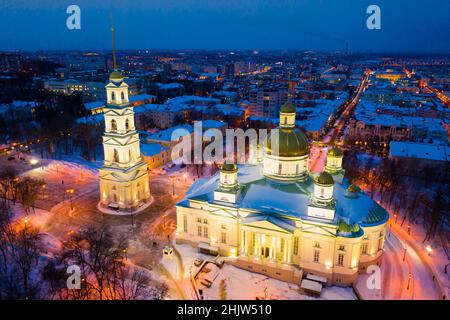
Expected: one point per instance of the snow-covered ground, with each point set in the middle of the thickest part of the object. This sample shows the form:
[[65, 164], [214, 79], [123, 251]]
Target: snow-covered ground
[[243, 284]]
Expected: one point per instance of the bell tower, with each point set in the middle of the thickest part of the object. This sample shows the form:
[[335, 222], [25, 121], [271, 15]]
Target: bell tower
[[124, 184]]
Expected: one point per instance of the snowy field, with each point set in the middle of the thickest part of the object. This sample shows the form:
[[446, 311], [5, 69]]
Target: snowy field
[[246, 285]]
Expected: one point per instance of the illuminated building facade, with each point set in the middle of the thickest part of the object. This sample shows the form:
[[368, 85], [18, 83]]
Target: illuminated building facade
[[124, 184], [276, 218]]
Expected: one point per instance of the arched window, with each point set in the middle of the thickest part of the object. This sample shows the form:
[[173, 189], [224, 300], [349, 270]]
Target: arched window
[[113, 96], [113, 125], [127, 124], [116, 156], [122, 96]]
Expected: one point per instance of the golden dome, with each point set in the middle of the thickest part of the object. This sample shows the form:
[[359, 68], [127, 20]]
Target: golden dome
[[291, 143], [116, 76], [287, 108], [325, 179], [335, 152], [229, 167]]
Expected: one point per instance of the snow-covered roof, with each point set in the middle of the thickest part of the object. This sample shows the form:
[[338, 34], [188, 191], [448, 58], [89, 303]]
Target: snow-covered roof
[[151, 149], [281, 201], [420, 150], [171, 134]]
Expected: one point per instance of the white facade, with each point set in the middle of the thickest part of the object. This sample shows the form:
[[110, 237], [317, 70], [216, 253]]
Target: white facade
[[124, 182]]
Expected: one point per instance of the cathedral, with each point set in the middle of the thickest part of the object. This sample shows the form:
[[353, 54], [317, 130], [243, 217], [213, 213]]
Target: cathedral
[[272, 216], [124, 186]]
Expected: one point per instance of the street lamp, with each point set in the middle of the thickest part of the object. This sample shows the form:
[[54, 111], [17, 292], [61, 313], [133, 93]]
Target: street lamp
[[429, 250], [70, 192], [409, 229], [173, 185], [409, 280]]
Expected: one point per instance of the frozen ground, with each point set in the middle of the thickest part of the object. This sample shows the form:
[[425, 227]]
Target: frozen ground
[[242, 284]]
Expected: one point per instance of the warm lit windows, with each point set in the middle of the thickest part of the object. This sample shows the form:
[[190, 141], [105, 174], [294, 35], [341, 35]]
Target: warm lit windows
[[295, 249], [223, 237], [316, 255], [340, 261], [205, 232], [364, 248], [185, 223], [199, 231]]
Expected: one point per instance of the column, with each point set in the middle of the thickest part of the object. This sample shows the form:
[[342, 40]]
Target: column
[[285, 250], [276, 248], [289, 251], [255, 244], [242, 241]]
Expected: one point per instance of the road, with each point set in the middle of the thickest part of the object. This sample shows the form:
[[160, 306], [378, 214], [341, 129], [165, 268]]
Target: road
[[318, 149]]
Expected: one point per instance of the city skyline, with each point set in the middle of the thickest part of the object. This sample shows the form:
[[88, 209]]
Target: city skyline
[[252, 25]]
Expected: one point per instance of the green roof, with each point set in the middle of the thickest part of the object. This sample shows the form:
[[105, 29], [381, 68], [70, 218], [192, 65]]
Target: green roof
[[115, 76], [376, 214], [229, 166], [291, 143], [325, 178], [335, 152], [287, 108]]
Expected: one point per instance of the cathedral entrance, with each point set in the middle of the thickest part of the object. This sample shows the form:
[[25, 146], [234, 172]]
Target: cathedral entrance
[[265, 252]]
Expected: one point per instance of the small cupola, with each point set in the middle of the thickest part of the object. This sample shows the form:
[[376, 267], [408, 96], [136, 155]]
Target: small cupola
[[322, 203], [287, 115], [334, 161], [323, 188], [228, 175], [228, 189]]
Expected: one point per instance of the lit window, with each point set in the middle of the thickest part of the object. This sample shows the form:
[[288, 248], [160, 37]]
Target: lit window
[[184, 223], [364, 248], [316, 255], [340, 261], [205, 232], [223, 237], [295, 249], [199, 231]]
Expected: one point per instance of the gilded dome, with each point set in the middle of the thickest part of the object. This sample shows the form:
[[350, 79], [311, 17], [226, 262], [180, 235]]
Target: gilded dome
[[229, 167], [325, 179], [116, 76], [335, 152], [287, 108], [292, 143]]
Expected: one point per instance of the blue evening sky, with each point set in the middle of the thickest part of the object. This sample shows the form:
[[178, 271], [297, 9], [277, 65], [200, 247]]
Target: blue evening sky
[[407, 25]]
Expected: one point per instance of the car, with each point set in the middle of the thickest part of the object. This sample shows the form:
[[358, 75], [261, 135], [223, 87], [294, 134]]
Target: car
[[198, 262]]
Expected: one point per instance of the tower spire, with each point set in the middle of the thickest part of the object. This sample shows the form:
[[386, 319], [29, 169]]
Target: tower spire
[[113, 36]]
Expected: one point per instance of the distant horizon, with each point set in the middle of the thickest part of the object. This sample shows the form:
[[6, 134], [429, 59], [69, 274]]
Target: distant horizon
[[185, 50]]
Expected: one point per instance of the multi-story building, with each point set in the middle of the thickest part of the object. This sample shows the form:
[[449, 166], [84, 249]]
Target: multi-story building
[[266, 102]]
